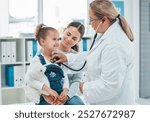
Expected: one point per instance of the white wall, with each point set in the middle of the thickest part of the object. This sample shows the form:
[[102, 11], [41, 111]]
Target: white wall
[[132, 16], [4, 17]]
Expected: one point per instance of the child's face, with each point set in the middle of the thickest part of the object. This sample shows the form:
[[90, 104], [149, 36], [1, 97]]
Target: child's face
[[51, 41], [71, 37]]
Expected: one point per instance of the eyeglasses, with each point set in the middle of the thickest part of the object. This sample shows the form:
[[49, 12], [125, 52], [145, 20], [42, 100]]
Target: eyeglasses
[[92, 20]]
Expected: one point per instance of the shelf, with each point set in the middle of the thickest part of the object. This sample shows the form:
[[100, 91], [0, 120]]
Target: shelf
[[13, 96], [7, 88], [87, 37], [27, 62], [15, 63]]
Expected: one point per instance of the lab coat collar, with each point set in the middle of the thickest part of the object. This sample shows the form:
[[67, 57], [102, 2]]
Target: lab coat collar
[[102, 37]]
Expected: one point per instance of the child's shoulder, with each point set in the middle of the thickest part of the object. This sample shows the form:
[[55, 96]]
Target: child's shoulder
[[35, 59]]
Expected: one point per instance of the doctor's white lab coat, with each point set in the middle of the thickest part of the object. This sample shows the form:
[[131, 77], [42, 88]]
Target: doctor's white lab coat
[[109, 69]]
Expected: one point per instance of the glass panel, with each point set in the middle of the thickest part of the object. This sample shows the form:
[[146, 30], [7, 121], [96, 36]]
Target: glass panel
[[22, 16], [58, 13]]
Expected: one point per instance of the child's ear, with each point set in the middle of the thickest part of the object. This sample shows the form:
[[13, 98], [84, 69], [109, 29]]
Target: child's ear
[[42, 41]]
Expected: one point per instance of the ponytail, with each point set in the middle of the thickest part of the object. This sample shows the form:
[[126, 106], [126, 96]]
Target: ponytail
[[41, 31], [125, 27]]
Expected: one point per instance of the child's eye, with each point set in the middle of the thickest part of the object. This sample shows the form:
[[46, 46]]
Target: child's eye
[[55, 39]]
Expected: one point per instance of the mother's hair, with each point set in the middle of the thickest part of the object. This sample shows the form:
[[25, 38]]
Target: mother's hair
[[81, 29]]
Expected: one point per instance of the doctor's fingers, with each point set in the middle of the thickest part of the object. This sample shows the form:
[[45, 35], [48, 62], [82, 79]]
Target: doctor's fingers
[[59, 61], [62, 57]]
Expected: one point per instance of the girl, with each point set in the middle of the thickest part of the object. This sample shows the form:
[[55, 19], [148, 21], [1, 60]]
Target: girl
[[48, 40]]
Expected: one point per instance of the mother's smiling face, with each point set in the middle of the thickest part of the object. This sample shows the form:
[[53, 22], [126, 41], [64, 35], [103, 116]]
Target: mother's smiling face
[[71, 37]]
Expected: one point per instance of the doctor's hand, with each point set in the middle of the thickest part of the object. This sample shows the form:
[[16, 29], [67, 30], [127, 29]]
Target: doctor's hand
[[62, 57]]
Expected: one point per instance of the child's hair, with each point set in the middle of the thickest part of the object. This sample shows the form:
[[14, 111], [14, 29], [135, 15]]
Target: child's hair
[[81, 30], [42, 31]]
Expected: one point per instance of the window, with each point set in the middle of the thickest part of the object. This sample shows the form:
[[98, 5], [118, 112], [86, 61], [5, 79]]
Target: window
[[22, 16], [58, 13]]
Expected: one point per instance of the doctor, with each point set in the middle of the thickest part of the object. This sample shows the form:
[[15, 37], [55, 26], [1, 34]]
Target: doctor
[[110, 61]]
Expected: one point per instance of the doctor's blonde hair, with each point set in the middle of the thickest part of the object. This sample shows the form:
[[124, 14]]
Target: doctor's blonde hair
[[103, 8]]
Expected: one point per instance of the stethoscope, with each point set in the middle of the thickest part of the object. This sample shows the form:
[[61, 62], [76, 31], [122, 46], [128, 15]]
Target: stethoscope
[[94, 38], [57, 58]]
